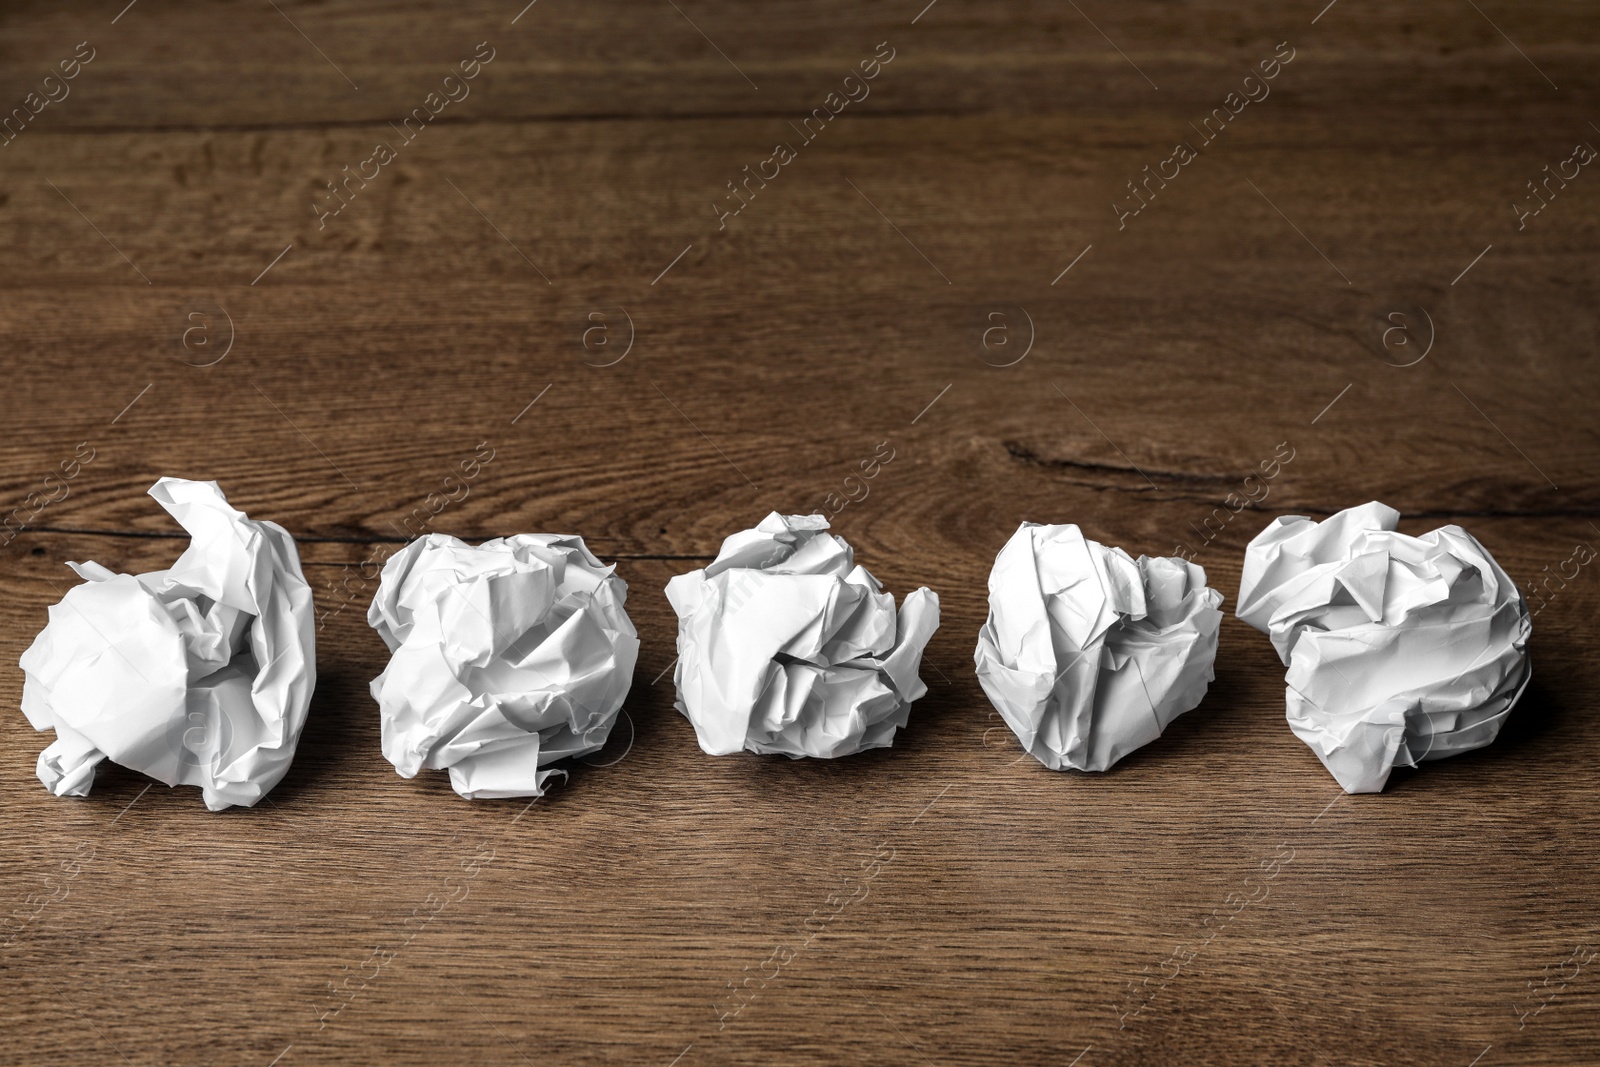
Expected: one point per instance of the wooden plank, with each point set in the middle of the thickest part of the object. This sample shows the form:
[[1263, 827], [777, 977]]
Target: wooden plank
[[821, 310], [1041, 895], [301, 65]]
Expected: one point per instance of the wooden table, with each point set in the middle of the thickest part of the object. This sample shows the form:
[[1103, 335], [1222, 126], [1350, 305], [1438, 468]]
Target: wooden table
[[551, 268]]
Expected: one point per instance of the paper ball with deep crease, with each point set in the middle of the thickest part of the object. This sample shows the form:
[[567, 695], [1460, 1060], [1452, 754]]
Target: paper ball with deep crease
[[787, 647], [196, 675], [1088, 653], [507, 657], [1400, 649]]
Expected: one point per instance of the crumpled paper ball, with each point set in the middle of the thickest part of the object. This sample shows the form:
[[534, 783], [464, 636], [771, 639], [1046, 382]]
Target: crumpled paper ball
[[787, 647], [1089, 654], [1400, 649], [507, 657], [198, 675]]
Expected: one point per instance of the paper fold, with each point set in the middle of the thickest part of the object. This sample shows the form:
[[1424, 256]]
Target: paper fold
[[787, 647], [1400, 649], [506, 657], [196, 675], [1089, 654]]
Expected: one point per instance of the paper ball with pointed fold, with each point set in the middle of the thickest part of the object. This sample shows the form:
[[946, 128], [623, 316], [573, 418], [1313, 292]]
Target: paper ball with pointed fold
[[197, 675], [506, 657], [1400, 649], [1089, 654], [787, 647]]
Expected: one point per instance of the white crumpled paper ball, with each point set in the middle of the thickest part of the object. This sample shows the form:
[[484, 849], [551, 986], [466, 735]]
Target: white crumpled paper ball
[[507, 657], [1088, 654], [787, 647], [1400, 649], [197, 675]]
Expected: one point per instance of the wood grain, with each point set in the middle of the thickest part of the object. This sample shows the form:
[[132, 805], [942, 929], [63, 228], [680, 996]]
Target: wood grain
[[1014, 915]]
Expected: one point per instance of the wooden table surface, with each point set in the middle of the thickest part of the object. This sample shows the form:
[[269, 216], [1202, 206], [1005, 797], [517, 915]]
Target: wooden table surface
[[1352, 271]]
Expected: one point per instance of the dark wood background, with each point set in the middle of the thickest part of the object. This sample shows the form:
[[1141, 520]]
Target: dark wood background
[[1215, 899]]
